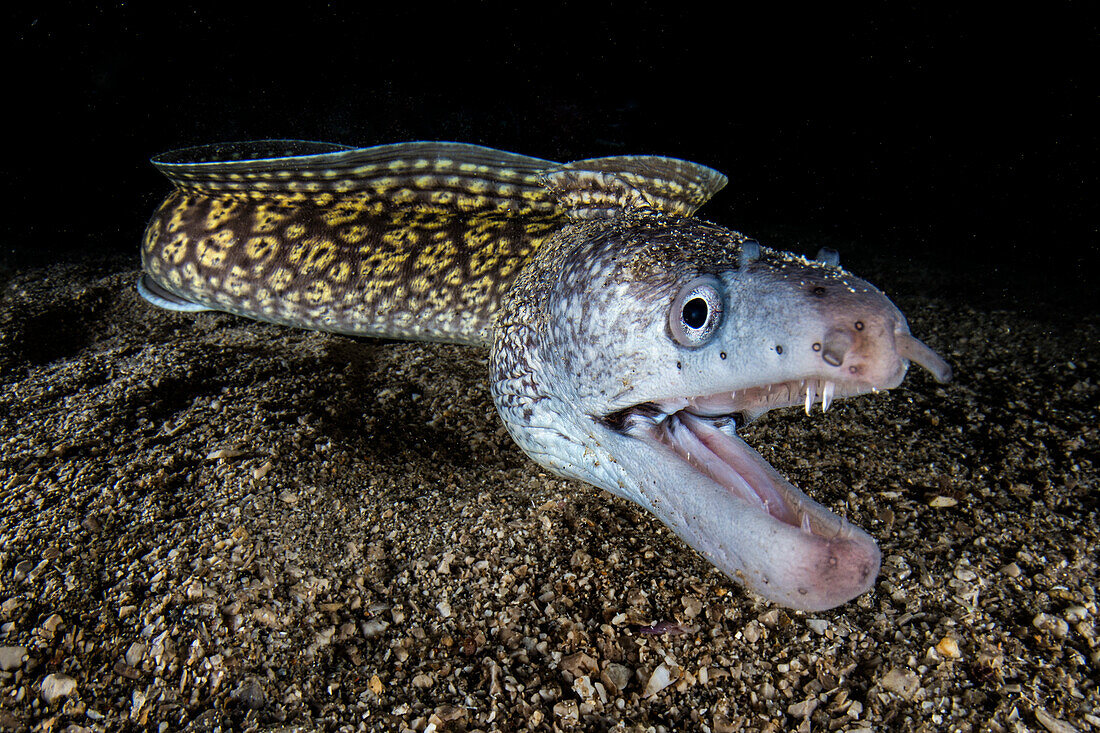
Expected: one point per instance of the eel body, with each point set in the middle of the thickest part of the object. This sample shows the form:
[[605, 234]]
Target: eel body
[[628, 339]]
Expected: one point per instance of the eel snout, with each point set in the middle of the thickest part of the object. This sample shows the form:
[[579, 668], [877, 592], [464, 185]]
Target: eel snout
[[866, 339]]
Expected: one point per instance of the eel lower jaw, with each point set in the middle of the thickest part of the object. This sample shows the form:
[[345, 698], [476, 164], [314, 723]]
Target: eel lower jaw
[[683, 460], [728, 503]]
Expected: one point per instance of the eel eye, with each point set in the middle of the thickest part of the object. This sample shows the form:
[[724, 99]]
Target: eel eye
[[696, 312]]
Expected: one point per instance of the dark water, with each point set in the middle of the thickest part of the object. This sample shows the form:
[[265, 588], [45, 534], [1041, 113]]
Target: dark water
[[955, 148], [949, 156]]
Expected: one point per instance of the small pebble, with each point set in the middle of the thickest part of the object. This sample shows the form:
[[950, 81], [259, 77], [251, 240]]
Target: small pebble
[[948, 648], [250, 693], [1053, 724], [135, 654], [903, 682], [616, 677], [223, 453], [692, 606], [1048, 622], [137, 702], [567, 710], [11, 657], [22, 569], [1075, 613], [448, 713], [579, 664], [584, 688], [661, 678], [803, 709], [965, 573], [374, 627], [266, 617], [56, 686], [52, 624]]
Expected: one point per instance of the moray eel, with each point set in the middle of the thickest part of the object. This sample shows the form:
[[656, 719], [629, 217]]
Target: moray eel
[[629, 340]]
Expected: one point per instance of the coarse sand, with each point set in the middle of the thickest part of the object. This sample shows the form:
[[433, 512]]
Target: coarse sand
[[209, 523]]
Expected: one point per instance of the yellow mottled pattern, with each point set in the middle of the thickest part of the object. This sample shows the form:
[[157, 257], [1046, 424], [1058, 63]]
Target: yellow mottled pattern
[[318, 292], [437, 255], [268, 217], [402, 259], [213, 250], [311, 256], [280, 280], [221, 211], [175, 250], [344, 211], [340, 272], [354, 234], [261, 249]]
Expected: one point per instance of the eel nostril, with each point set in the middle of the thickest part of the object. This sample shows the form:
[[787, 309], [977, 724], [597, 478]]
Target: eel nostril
[[836, 346]]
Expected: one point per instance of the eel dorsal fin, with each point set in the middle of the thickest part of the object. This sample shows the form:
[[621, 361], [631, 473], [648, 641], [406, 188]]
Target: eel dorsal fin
[[445, 176], [601, 188], [467, 178]]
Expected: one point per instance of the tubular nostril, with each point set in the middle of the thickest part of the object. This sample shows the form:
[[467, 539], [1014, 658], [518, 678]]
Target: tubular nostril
[[829, 256], [836, 346]]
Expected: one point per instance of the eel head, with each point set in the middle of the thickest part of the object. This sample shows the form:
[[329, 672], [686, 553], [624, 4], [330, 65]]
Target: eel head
[[629, 356]]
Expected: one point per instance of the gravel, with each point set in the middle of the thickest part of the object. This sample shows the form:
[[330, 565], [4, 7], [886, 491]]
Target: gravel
[[212, 523]]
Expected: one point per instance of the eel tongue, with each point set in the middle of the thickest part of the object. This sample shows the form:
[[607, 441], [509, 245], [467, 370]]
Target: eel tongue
[[722, 498], [708, 449]]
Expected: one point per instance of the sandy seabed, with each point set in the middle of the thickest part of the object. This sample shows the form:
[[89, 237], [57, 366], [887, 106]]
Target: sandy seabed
[[208, 523]]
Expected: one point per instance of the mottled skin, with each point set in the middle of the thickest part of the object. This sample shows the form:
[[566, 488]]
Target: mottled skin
[[415, 247], [628, 340]]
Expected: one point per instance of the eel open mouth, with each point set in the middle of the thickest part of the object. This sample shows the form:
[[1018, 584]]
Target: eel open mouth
[[727, 502], [702, 431]]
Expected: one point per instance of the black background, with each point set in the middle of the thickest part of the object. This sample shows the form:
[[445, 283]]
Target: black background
[[958, 142]]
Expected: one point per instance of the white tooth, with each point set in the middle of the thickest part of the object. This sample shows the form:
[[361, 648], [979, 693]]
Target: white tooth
[[827, 396], [806, 524], [811, 393]]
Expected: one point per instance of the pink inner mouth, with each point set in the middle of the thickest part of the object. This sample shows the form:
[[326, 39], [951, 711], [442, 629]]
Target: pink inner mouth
[[701, 431], [723, 459], [703, 435]]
